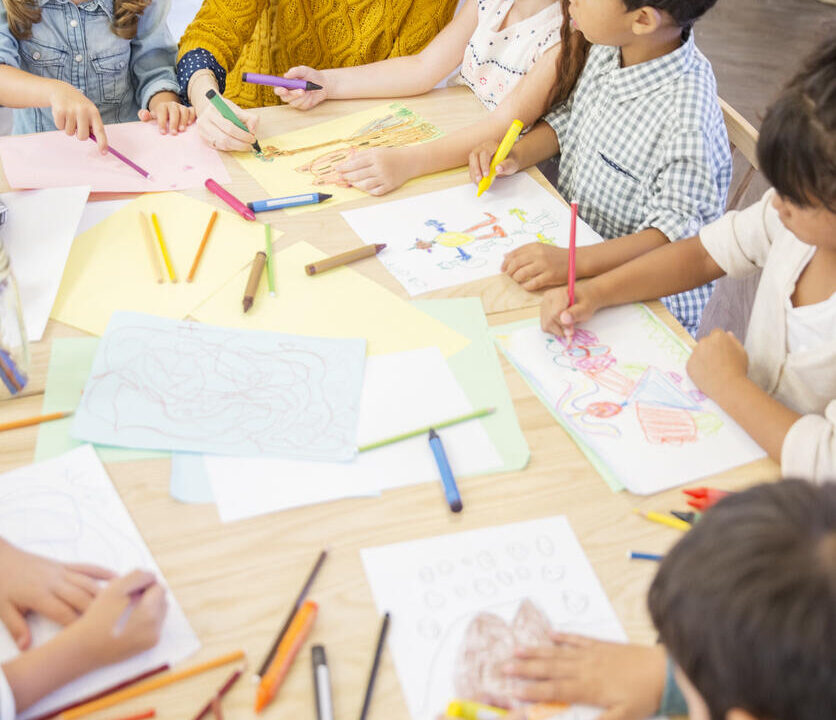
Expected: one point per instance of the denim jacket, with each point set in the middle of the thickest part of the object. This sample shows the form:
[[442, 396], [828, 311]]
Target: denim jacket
[[75, 43]]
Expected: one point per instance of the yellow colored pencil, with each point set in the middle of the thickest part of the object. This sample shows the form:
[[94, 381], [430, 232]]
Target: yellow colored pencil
[[163, 248], [662, 519], [152, 250], [149, 685]]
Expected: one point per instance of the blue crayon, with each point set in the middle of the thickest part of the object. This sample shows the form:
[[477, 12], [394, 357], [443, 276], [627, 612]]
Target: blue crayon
[[447, 479], [286, 202], [633, 555]]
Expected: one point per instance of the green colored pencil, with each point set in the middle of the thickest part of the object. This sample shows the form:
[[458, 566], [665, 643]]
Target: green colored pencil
[[424, 430], [271, 275]]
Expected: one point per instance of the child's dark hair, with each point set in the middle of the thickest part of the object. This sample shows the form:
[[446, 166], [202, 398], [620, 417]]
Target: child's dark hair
[[797, 144], [684, 12], [571, 58], [22, 14], [745, 603]]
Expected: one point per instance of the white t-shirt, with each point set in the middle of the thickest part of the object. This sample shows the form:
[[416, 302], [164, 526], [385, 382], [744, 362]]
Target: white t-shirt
[[810, 327], [495, 60], [7, 700]]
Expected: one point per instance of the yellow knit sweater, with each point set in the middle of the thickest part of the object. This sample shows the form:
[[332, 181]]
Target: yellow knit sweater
[[271, 36]]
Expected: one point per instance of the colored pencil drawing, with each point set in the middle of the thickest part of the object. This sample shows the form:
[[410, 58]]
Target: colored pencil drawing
[[184, 386]]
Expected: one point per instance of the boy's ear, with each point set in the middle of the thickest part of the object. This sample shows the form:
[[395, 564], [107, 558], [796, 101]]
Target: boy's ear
[[736, 714], [647, 20]]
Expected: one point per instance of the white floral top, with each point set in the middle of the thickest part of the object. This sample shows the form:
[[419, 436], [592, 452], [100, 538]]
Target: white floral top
[[495, 60]]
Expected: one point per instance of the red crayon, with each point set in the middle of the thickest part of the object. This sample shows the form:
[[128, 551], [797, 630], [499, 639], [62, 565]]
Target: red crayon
[[230, 200], [704, 498]]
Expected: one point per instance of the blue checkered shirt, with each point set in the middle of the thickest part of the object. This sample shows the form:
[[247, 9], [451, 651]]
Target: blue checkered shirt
[[646, 146]]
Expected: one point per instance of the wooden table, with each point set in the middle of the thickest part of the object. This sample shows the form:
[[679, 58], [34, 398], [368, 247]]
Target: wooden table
[[236, 582]]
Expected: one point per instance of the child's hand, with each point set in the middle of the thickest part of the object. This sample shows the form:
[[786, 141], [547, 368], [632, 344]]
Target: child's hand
[[558, 318], [75, 114], [377, 171], [124, 620], [718, 361], [219, 132], [536, 266], [480, 162], [170, 115], [626, 680], [31, 583], [303, 99]]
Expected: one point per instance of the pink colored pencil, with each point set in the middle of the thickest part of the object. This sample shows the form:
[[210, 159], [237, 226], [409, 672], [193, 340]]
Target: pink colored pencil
[[573, 227], [230, 200], [113, 151]]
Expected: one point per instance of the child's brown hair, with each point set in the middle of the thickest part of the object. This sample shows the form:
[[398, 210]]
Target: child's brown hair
[[574, 48], [23, 14]]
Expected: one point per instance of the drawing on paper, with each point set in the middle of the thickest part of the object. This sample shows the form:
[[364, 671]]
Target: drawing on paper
[[173, 385]]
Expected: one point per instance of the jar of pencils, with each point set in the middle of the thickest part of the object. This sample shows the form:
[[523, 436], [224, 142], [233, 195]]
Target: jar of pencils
[[14, 348]]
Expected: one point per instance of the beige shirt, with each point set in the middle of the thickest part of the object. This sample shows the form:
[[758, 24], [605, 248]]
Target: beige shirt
[[805, 381]]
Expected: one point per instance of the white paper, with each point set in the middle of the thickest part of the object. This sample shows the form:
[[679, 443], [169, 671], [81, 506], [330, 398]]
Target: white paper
[[96, 212], [452, 237], [38, 233], [401, 392], [67, 509], [434, 588], [622, 391]]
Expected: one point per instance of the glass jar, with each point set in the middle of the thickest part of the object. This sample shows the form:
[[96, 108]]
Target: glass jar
[[14, 348]]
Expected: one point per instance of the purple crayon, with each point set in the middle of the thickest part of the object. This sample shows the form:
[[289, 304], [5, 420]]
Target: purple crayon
[[276, 81]]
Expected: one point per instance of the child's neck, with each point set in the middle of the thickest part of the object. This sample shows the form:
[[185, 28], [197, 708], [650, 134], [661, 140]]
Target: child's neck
[[649, 47]]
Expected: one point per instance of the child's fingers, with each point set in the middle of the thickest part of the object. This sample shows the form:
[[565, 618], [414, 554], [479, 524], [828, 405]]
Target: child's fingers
[[71, 123], [16, 625], [144, 115], [538, 282], [231, 130], [162, 112], [357, 162], [84, 582], [580, 641], [93, 571], [75, 597], [536, 691], [485, 158], [57, 609], [99, 131], [473, 167], [381, 189], [59, 117]]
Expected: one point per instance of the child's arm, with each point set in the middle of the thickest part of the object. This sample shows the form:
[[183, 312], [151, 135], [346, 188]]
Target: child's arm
[[537, 145], [99, 638], [393, 77]]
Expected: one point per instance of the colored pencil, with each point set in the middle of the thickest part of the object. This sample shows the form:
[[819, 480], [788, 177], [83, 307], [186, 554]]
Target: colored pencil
[[271, 276], [381, 639], [149, 685], [13, 378], [141, 716], [667, 520], [163, 249], [149, 244], [424, 430], [202, 246], [300, 598], [573, 227], [224, 689], [254, 279], [689, 517], [130, 163], [633, 555], [229, 199], [37, 420], [344, 258], [107, 691], [289, 648]]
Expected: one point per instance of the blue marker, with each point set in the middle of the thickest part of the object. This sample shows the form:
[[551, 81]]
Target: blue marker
[[633, 555], [286, 202], [447, 479]]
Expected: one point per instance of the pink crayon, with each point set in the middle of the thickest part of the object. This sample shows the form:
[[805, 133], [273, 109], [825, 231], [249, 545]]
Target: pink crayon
[[230, 200]]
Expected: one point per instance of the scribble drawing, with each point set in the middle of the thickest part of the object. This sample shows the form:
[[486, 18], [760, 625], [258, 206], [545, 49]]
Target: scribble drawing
[[666, 413], [489, 643], [199, 388]]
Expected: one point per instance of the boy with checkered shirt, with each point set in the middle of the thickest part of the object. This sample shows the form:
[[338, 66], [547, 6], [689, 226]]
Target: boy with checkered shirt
[[641, 141]]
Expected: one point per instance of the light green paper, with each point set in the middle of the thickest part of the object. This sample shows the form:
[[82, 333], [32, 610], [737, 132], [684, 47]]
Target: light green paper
[[479, 372], [69, 366], [500, 334]]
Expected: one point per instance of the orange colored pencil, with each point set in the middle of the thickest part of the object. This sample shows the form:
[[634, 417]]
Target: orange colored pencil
[[202, 245], [149, 685], [288, 649], [141, 716], [37, 420]]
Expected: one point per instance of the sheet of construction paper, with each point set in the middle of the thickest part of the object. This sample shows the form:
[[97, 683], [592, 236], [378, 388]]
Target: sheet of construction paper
[[39, 230], [401, 392], [164, 384], [52, 159], [110, 266], [300, 171], [189, 482], [621, 391], [462, 603], [96, 212], [337, 303], [70, 362], [67, 509], [451, 237]]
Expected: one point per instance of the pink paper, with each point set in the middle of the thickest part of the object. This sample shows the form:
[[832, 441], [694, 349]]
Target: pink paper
[[52, 159]]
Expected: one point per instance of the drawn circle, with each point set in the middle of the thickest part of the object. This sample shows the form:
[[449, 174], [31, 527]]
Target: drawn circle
[[485, 587], [603, 409], [429, 629], [434, 599], [523, 573], [553, 573], [503, 577], [486, 560], [517, 551], [426, 574], [445, 567], [575, 603], [460, 591], [453, 239], [545, 545]]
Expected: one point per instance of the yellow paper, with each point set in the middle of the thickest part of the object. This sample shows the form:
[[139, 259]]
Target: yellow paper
[[110, 269], [337, 303], [310, 171]]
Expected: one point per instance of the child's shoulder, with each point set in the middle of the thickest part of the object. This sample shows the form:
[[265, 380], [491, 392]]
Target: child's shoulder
[[692, 94]]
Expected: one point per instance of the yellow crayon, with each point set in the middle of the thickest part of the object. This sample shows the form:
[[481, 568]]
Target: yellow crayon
[[500, 154], [671, 522], [469, 710]]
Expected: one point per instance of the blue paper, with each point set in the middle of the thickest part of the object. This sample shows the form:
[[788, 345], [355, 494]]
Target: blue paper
[[165, 384], [189, 482]]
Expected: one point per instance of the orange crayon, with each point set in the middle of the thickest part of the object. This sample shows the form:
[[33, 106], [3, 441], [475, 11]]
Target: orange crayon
[[289, 648]]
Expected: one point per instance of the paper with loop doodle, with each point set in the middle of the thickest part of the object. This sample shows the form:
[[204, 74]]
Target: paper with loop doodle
[[621, 391], [167, 385]]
